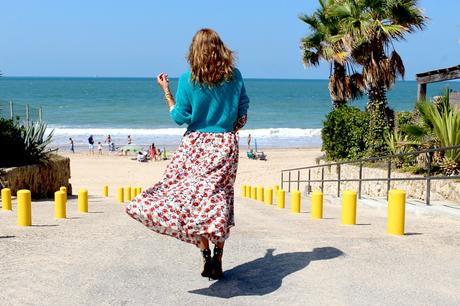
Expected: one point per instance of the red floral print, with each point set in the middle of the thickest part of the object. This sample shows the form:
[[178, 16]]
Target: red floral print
[[194, 199]]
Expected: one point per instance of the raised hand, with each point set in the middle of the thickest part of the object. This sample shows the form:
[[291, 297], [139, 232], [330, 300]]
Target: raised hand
[[163, 81]]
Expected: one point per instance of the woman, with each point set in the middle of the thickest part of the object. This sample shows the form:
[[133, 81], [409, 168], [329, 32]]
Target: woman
[[153, 152], [194, 200]]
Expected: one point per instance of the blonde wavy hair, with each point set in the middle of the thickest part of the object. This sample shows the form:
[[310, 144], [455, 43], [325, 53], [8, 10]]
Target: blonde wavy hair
[[211, 62]]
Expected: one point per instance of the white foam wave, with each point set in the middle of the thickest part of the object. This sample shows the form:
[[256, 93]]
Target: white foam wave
[[258, 133]]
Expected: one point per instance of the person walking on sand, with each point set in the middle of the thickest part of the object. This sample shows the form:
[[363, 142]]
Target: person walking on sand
[[194, 200], [99, 148], [91, 144], [249, 143], [72, 145]]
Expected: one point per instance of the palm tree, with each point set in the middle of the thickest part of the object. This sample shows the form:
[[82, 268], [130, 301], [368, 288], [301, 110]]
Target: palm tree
[[322, 44], [368, 28]]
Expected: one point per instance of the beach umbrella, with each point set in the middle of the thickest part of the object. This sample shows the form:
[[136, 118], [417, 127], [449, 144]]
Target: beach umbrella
[[255, 144]]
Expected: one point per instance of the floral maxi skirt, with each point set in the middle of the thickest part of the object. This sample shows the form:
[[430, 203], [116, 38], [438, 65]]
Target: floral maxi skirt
[[194, 199]]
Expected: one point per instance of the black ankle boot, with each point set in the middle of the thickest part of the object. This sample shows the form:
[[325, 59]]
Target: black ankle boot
[[207, 263], [217, 272]]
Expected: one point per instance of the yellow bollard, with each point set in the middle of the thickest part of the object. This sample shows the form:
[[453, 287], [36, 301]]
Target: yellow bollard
[[275, 192], [260, 193], [295, 202], [127, 194], [253, 192], [106, 191], [121, 197], [6, 199], [133, 193], [83, 201], [317, 205], [60, 211], [396, 212], [64, 189], [24, 207], [243, 191], [268, 196], [349, 207], [280, 197]]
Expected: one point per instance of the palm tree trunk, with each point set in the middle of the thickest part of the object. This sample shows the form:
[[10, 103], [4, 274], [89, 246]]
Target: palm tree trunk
[[377, 89], [377, 93], [337, 86]]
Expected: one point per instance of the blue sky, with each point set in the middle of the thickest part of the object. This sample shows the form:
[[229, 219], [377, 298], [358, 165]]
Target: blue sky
[[142, 38]]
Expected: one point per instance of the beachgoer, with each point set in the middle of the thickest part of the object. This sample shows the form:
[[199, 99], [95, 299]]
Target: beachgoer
[[99, 148], [194, 200], [158, 154], [129, 139], [72, 147], [249, 143], [91, 144], [141, 156], [153, 152], [109, 142]]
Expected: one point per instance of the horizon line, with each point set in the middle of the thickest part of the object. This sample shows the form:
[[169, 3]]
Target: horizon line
[[174, 77]]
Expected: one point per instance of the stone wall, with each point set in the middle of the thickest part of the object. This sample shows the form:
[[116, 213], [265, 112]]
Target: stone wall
[[41, 180], [440, 189]]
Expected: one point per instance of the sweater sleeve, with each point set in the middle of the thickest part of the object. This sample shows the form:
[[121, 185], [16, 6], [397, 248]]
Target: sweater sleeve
[[182, 111], [243, 103]]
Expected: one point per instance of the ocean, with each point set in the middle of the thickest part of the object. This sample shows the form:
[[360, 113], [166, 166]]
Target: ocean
[[283, 113]]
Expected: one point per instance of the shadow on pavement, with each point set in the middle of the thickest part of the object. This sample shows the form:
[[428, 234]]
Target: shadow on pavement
[[264, 275]]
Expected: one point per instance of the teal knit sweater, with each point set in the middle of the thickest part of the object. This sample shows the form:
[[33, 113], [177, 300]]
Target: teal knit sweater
[[210, 109]]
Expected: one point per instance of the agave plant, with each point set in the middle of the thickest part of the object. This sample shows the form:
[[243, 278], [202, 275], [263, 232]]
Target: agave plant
[[35, 142], [399, 142], [440, 126]]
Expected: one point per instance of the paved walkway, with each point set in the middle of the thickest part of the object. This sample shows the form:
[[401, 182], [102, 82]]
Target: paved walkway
[[273, 257]]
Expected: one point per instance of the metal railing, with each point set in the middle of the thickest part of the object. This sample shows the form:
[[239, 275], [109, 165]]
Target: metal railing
[[16, 111], [388, 158]]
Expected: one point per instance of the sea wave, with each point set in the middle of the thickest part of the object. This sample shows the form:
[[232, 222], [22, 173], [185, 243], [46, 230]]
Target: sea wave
[[171, 137], [261, 133]]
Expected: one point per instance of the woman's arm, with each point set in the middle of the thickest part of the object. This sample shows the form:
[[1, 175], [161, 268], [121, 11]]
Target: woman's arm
[[163, 81], [179, 107], [240, 123]]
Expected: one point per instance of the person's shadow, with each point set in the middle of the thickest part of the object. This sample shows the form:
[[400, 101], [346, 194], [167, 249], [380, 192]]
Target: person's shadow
[[264, 275]]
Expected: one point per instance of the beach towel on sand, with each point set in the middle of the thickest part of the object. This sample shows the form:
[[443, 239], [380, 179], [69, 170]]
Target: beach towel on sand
[[195, 196]]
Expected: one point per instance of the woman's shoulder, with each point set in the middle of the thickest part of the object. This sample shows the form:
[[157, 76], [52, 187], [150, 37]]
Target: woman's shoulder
[[186, 76], [237, 73]]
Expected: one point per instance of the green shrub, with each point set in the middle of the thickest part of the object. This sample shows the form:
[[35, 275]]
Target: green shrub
[[381, 122], [404, 119], [344, 133], [23, 145], [12, 150]]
